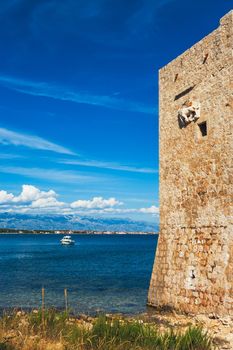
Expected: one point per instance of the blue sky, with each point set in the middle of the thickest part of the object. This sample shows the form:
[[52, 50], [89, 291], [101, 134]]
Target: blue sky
[[79, 100]]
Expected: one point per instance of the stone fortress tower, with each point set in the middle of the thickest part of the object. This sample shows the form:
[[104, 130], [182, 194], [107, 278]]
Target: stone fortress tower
[[193, 270]]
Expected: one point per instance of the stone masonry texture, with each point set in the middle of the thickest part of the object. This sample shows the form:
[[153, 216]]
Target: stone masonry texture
[[193, 269]]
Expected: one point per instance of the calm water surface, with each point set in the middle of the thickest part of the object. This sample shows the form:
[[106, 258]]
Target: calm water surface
[[105, 272]]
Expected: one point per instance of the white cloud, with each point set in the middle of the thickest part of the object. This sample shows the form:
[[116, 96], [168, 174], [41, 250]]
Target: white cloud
[[111, 166], [30, 199], [53, 174], [50, 202], [96, 203], [9, 137], [31, 193], [10, 156], [33, 200], [5, 197], [64, 94], [151, 210]]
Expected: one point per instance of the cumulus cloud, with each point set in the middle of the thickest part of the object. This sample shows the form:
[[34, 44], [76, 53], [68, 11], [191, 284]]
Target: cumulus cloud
[[30, 197], [5, 197], [49, 202], [31, 193], [33, 200], [96, 203], [151, 210], [9, 137]]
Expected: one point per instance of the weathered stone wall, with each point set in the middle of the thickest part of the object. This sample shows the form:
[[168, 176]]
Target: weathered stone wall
[[193, 270]]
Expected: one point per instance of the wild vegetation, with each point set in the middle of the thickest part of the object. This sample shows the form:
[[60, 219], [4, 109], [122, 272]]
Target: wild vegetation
[[53, 330]]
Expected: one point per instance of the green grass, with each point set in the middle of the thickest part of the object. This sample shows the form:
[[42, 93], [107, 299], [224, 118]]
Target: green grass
[[135, 335], [33, 329]]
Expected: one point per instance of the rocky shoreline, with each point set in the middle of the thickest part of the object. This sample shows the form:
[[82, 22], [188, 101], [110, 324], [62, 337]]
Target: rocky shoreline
[[219, 328]]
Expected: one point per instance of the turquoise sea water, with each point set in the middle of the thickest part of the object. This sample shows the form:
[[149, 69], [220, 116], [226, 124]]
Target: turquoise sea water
[[109, 273]]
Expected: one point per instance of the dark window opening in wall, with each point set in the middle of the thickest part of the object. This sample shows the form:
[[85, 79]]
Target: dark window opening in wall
[[203, 128]]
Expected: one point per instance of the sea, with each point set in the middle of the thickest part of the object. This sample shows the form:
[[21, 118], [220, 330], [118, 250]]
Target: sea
[[102, 273]]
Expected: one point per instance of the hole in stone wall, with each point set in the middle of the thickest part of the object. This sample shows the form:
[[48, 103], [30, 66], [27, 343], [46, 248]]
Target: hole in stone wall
[[183, 93], [176, 77], [203, 128], [205, 58], [192, 275]]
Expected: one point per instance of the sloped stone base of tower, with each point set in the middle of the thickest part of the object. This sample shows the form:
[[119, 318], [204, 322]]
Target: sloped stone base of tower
[[193, 270]]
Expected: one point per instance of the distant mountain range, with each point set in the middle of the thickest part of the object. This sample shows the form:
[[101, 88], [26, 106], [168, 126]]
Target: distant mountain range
[[71, 222]]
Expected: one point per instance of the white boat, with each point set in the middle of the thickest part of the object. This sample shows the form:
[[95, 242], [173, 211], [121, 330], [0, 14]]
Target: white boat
[[66, 240]]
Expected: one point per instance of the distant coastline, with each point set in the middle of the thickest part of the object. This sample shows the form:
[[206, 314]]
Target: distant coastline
[[65, 232]]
